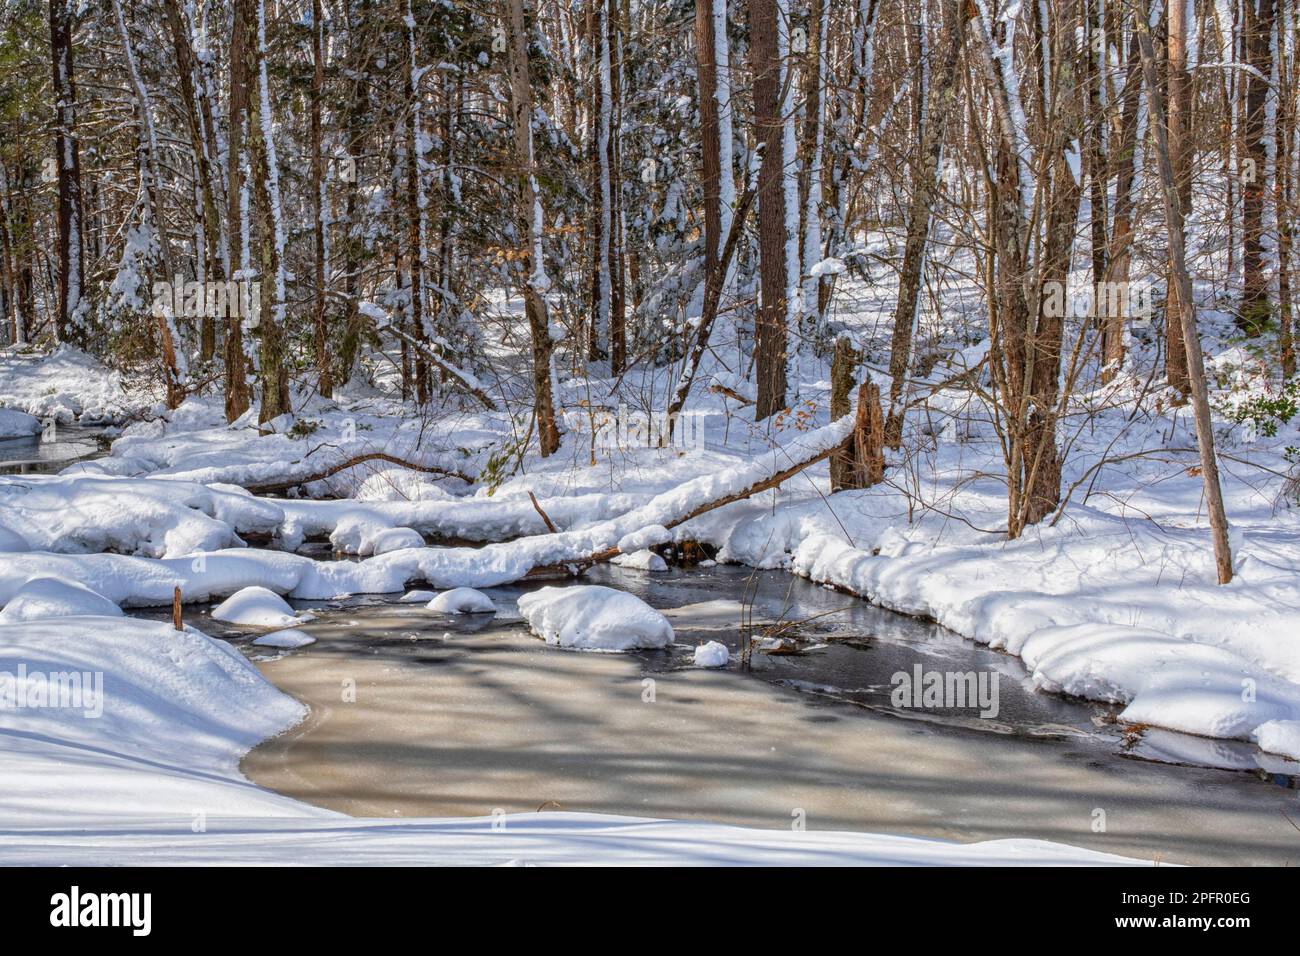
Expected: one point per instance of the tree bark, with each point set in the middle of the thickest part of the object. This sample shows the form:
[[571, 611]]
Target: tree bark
[[770, 332]]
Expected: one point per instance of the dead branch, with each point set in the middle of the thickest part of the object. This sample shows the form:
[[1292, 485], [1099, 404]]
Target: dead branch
[[274, 487]]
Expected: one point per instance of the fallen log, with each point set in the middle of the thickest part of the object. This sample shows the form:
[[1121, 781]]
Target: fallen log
[[820, 453], [275, 487]]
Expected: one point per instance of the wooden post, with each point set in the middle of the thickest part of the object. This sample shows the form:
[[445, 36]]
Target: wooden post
[[177, 623]]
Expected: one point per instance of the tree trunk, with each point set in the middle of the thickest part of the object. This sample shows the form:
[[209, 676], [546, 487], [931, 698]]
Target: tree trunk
[[1180, 102], [198, 121], [937, 98], [243, 40], [266, 178], [325, 378], [1256, 308], [530, 221], [69, 325], [770, 331], [1195, 364]]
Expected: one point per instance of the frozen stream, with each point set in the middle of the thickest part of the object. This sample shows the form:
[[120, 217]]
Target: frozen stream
[[470, 716]]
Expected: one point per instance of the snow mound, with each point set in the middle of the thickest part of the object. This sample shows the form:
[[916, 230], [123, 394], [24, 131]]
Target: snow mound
[[592, 617], [12, 541], [365, 533], [645, 560], [712, 654], [66, 384], [1279, 737], [16, 424], [256, 606], [289, 638], [644, 538], [399, 484], [74, 514], [462, 601], [174, 712], [417, 597], [43, 598], [396, 539]]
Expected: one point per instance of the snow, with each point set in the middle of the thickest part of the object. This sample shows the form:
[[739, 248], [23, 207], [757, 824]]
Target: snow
[[257, 607], [1279, 736], [178, 711], [15, 424], [645, 560], [462, 601], [76, 515], [288, 639], [42, 598], [593, 617], [12, 540], [417, 597], [66, 385], [711, 654]]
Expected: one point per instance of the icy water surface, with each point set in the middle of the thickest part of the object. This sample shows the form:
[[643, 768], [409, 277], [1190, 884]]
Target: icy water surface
[[419, 714], [35, 455]]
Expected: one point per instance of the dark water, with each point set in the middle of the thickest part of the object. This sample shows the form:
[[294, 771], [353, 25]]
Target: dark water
[[842, 651], [37, 455]]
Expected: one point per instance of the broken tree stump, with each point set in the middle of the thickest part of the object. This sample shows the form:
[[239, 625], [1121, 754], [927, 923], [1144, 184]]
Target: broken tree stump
[[860, 463]]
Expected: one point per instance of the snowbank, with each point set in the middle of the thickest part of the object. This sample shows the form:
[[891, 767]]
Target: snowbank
[[43, 598], [67, 385], [176, 710], [79, 514], [592, 617], [15, 424], [462, 601]]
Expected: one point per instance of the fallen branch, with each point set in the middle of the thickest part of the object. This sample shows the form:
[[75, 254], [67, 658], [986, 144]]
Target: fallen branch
[[383, 323], [545, 517], [278, 486]]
